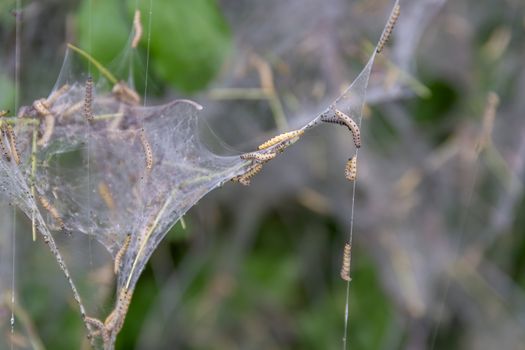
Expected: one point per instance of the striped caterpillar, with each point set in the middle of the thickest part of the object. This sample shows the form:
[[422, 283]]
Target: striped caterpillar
[[121, 252], [147, 150], [245, 178], [343, 119], [258, 157], [9, 133], [347, 257], [281, 138], [389, 28], [88, 100], [2, 145], [351, 169], [52, 210], [138, 30], [12, 143], [115, 320]]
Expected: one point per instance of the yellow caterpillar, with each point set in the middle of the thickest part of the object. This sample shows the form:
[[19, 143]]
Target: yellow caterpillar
[[281, 138], [351, 169], [389, 28], [52, 210], [345, 268], [121, 252], [245, 178], [12, 143], [147, 150], [259, 157], [138, 30]]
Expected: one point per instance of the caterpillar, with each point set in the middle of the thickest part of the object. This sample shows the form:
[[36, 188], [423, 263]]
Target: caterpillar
[[138, 29], [99, 329], [259, 157], [281, 138], [115, 320], [351, 169], [343, 119], [49, 126], [12, 143], [56, 95], [121, 252], [41, 107], [2, 145], [347, 257], [52, 210], [245, 178], [125, 94], [389, 28], [147, 150], [352, 125], [88, 100], [105, 194]]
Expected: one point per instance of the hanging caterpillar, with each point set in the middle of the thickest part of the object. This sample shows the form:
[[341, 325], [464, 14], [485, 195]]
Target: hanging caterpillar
[[347, 257], [343, 119], [88, 100], [147, 150], [138, 30], [259, 157], [121, 252], [245, 178], [352, 125], [351, 169], [389, 28], [52, 210], [281, 138]]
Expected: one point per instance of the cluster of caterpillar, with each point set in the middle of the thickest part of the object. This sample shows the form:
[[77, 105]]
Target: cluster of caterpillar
[[245, 179], [43, 109], [389, 28], [345, 268], [114, 321], [279, 143]]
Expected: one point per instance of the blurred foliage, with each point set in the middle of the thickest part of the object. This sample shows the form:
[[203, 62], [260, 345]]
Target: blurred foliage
[[189, 39]]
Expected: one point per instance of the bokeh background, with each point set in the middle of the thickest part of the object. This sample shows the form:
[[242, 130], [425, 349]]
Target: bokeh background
[[439, 242]]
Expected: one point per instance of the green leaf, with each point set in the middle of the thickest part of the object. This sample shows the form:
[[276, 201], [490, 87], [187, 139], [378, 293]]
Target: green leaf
[[189, 41], [103, 27]]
